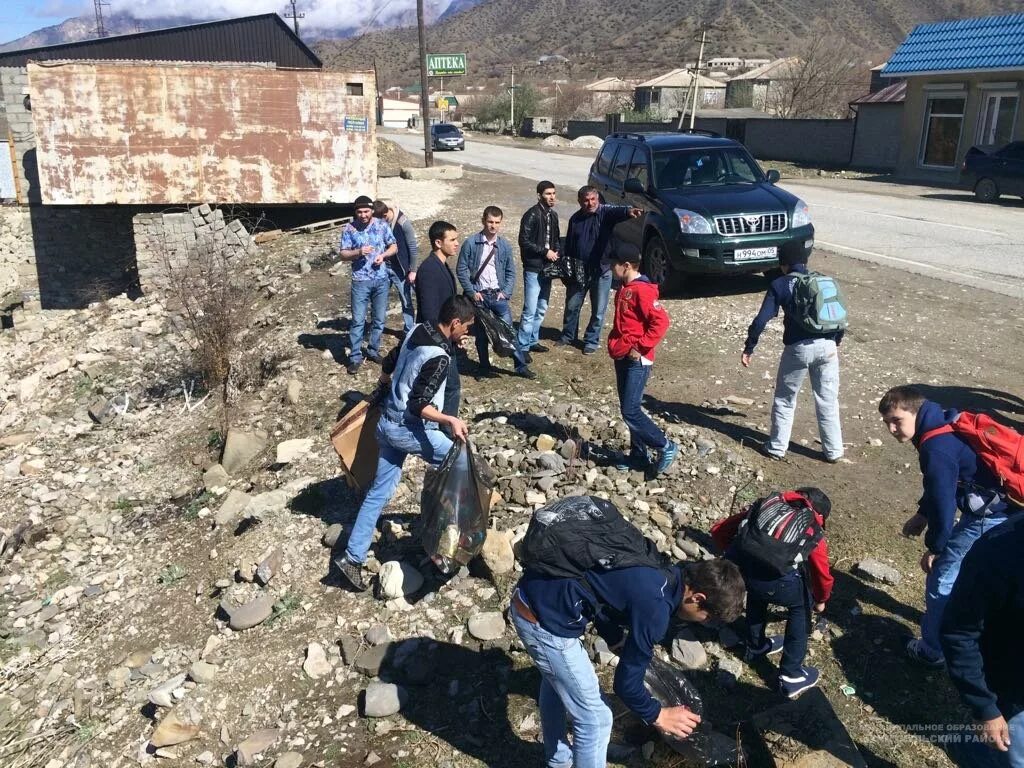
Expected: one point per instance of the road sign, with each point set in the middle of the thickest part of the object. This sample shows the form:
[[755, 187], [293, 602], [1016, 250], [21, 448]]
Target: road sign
[[442, 103], [446, 64]]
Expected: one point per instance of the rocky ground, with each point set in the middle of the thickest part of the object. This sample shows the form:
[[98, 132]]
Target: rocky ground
[[164, 591]]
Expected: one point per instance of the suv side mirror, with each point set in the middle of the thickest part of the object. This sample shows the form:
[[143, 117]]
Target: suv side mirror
[[634, 187], [773, 176]]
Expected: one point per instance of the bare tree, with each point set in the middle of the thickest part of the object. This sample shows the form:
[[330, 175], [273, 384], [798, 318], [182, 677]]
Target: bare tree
[[821, 79], [212, 293]]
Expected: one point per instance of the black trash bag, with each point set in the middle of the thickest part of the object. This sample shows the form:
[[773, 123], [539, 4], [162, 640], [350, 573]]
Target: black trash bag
[[455, 507], [570, 271], [669, 685], [499, 333]]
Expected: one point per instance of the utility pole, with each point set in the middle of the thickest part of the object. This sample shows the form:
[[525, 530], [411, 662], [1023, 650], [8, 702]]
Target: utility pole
[[101, 30], [696, 73], [428, 148], [294, 16], [512, 102]]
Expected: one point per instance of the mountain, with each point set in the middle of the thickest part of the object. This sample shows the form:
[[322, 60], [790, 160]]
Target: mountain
[[84, 28], [312, 28], [644, 37]]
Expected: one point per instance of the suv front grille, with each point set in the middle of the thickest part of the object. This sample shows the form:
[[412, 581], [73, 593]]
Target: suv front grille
[[753, 224]]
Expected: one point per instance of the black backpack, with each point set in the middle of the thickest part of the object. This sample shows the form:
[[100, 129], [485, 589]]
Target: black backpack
[[778, 534], [576, 534]]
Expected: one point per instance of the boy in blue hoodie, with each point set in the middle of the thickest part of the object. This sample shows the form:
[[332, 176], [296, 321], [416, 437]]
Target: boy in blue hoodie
[[631, 609], [954, 480]]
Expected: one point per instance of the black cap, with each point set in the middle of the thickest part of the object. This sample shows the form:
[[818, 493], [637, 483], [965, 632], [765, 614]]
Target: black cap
[[626, 253], [363, 202]]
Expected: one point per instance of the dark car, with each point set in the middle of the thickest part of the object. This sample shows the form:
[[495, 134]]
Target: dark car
[[447, 136], [709, 208], [995, 174]]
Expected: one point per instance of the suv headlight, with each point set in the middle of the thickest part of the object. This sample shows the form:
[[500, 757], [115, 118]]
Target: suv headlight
[[691, 223], [801, 214]]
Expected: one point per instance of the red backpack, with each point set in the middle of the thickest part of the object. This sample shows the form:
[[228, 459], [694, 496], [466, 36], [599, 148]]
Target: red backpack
[[1000, 448]]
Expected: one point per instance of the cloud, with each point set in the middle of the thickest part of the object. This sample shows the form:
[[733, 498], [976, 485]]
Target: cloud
[[320, 14]]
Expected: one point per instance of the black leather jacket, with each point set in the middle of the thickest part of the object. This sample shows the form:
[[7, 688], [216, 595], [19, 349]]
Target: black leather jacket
[[532, 236]]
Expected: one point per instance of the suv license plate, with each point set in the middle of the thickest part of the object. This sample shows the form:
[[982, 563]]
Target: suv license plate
[[755, 254]]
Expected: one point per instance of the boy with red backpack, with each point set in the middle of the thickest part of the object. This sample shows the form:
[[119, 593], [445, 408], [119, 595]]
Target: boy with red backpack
[[779, 545], [957, 476]]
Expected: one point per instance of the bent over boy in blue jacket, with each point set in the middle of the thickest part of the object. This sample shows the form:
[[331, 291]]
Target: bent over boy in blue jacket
[[953, 480]]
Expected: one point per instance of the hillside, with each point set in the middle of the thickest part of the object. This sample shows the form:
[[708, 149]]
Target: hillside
[[600, 38]]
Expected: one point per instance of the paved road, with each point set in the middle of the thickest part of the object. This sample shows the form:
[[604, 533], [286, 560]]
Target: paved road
[[936, 232]]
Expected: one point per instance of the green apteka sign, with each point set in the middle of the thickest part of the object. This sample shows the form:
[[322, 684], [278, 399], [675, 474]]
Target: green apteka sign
[[446, 64]]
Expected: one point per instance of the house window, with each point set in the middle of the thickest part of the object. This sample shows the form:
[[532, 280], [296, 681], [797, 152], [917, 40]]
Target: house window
[[353, 89], [655, 96], [998, 112], [944, 117]]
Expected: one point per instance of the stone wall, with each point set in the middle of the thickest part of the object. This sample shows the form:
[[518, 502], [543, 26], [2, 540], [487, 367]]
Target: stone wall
[[17, 259], [167, 241]]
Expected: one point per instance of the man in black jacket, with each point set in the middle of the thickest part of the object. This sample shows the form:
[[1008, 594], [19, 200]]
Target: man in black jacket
[[435, 284], [981, 641], [539, 244]]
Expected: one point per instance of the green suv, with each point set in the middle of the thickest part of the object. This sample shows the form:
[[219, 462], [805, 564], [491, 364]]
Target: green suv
[[709, 208]]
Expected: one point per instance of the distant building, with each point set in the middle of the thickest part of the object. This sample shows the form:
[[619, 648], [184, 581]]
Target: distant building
[[669, 94], [758, 88], [963, 88], [876, 136], [552, 59]]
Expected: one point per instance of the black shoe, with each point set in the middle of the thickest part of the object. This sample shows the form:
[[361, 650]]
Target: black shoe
[[486, 373], [562, 343], [590, 350], [353, 368], [539, 348], [525, 373], [375, 359], [528, 358], [351, 572]]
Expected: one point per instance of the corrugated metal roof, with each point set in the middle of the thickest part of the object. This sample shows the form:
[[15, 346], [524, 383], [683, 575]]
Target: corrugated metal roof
[[891, 94], [990, 42], [248, 39], [680, 78], [773, 70]]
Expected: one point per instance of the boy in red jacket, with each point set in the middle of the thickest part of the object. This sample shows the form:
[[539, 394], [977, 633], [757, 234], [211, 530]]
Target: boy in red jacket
[[640, 323], [807, 583]]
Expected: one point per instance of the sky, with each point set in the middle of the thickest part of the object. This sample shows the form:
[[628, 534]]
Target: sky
[[19, 17]]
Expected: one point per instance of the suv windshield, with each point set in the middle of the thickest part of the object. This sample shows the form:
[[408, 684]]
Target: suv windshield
[[446, 129], [704, 167]]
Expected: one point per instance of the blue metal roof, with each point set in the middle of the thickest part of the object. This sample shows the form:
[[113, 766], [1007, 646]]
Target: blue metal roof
[[991, 42]]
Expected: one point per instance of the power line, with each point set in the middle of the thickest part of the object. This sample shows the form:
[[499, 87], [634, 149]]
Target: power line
[[101, 30], [294, 16]]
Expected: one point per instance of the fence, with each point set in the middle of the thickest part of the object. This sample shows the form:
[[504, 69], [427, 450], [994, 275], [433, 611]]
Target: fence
[[815, 142]]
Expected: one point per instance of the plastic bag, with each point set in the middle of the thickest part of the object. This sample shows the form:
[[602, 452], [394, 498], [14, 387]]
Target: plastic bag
[[670, 686], [454, 508], [500, 333]]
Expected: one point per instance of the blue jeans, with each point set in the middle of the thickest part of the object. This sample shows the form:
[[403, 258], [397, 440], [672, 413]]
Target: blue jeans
[[404, 289], [945, 569], [973, 754], [789, 592], [599, 288], [396, 440], [536, 292], [372, 293], [501, 309], [568, 686], [630, 380]]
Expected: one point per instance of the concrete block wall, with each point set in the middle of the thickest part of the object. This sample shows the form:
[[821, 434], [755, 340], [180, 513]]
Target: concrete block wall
[[167, 241], [13, 91], [817, 142]]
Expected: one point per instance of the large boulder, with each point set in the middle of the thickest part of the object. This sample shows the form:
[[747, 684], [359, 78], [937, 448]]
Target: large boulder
[[241, 447]]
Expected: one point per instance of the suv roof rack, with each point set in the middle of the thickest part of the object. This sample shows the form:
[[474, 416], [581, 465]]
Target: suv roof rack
[[643, 136]]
